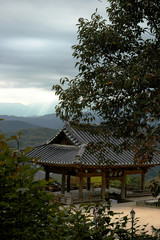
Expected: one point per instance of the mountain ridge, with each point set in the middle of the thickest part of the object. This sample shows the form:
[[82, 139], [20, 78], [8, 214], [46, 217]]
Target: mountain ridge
[[46, 121]]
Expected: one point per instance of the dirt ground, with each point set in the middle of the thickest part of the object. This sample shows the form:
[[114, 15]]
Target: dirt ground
[[146, 215]]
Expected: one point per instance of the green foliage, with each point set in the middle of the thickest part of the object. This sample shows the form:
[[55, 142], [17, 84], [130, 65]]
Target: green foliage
[[156, 232], [134, 181], [155, 186], [24, 204], [152, 173], [95, 181], [119, 75], [115, 183]]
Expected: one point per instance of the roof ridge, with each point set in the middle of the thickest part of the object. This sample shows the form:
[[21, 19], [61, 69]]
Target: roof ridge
[[81, 150], [64, 146], [73, 131], [52, 138]]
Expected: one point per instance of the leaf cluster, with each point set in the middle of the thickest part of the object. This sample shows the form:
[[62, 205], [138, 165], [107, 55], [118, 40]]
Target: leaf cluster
[[155, 186]]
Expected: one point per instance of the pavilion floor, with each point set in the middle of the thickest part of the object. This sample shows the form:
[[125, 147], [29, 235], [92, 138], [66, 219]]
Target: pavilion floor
[[93, 195]]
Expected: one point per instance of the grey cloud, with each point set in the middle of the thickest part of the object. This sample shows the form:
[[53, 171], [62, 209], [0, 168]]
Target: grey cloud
[[52, 21], [30, 17]]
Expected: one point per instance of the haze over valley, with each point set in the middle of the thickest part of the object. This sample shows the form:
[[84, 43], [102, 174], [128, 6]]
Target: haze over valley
[[22, 110]]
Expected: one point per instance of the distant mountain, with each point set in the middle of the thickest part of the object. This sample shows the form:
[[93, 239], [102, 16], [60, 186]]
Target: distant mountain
[[35, 130], [9, 126], [31, 137], [21, 110], [47, 121]]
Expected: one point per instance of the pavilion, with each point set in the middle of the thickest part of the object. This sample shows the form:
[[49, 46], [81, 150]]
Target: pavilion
[[67, 154]]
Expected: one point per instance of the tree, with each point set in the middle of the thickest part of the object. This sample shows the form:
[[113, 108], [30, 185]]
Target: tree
[[155, 186], [24, 204], [119, 75]]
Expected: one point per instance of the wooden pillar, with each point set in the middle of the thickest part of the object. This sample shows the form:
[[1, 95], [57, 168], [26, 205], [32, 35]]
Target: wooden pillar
[[123, 187], [88, 183], [103, 185], [107, 183], [47, 178], [63, 183], [47, 175], [68, 183], [81, 188], [142, 180]]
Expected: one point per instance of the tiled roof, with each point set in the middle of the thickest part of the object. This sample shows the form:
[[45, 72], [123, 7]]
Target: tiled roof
[[56, 154]]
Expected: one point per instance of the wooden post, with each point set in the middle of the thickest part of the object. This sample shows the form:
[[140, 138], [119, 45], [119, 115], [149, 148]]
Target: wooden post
[[63, 183], [81, 188], [47, 175], [142, 180], [123, 187], [68, 183], [88, 183], [103, 185], [107, 184], [47, 178]]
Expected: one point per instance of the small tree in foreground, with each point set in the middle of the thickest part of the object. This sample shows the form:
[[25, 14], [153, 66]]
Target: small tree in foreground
[[24, 204]]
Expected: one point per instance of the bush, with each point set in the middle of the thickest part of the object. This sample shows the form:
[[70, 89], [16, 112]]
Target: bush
[[155, 187], [24, 203]]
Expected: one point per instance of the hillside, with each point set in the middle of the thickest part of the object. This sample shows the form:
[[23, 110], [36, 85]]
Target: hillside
[[32, 137], [47, 121], [14, 125], [35, 130]]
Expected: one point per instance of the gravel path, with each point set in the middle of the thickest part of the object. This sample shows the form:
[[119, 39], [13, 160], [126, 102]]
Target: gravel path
[[146, 215]]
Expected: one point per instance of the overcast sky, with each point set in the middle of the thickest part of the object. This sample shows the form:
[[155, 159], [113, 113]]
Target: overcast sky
[[35, 45]]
